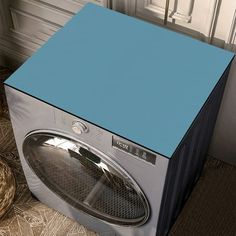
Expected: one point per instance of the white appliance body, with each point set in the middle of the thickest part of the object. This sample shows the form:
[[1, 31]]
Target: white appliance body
[[31, 116]]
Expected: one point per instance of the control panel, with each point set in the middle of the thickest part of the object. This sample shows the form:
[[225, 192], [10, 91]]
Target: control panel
[[134, 150]]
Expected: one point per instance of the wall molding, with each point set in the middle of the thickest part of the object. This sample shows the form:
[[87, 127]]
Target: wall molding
[[181, 11], [231, 40], [38, 37], [25, 25], [40, 10], [213, 14], [69, 6], [53, 14], [185, 11]]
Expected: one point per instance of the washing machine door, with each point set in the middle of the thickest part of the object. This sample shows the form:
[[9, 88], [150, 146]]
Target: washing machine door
[[82, 176]]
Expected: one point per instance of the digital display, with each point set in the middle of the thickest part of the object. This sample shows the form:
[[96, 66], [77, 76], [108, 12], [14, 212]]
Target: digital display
[[134, 150]]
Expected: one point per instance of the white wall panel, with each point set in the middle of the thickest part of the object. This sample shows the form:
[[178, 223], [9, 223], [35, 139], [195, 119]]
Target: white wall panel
[[72, 6], [193, 17], [25, 25], [32, 27]]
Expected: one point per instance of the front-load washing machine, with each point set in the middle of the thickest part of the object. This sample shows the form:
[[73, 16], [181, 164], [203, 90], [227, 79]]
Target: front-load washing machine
[[112, 119]]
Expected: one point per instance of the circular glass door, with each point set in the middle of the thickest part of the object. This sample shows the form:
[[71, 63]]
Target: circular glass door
[[81, 176]]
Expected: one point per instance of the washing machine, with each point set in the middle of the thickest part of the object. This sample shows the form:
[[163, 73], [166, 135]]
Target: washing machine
[[112, 119]]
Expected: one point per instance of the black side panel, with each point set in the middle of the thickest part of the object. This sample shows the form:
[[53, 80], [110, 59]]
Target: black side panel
[[187, 162]]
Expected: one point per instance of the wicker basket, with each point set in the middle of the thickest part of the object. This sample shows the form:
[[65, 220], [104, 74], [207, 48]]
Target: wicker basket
[[7, 187]]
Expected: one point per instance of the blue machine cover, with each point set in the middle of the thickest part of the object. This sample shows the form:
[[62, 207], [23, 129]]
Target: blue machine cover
[[135, 79]]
